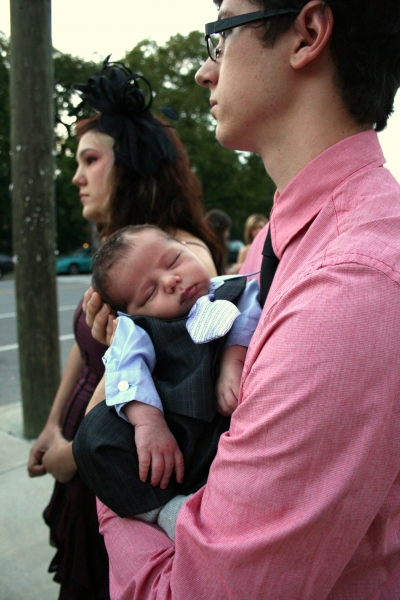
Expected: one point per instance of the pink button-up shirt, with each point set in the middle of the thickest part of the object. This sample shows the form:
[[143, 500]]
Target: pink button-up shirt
[[303, 498]]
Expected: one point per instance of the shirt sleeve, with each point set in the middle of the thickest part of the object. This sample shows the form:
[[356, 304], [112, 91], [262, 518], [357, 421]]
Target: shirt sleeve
[[129, 363], [300, 501], [250, 311]]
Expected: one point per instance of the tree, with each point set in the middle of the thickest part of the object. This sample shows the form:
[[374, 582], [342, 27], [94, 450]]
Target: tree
[[72, 229]]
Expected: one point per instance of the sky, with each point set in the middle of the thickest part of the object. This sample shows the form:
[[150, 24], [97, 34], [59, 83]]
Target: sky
[[92, 29]]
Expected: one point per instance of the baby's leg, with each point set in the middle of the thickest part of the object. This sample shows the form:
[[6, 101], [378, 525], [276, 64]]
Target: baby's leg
[[105, 453]]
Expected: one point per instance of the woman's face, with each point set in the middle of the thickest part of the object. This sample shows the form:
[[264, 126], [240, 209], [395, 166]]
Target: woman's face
[[95, 174], [256, 229]]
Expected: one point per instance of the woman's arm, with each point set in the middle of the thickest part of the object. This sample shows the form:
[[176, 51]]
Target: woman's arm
[[51, 430]]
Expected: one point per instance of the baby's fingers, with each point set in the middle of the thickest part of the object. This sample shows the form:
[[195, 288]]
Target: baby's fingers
[[144, 464], [158, 469], [179, 466], [167, 472]]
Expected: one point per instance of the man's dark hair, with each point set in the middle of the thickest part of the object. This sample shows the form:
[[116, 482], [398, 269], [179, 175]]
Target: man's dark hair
[[111, 251], [365, 47]]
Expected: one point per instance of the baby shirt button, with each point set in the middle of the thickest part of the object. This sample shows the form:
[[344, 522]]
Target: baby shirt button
[[123, 386]]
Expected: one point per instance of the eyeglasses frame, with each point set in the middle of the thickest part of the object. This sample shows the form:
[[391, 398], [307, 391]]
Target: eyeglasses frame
[[238, 20]]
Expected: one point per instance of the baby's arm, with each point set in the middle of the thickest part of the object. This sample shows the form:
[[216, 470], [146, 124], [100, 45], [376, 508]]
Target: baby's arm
[[228, 382], [155, 444], [130, 389]]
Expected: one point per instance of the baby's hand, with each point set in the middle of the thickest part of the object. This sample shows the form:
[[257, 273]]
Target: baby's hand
[[228, 382], [156, 446]]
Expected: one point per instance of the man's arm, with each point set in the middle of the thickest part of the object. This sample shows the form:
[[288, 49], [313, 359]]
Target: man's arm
[[306, 467]]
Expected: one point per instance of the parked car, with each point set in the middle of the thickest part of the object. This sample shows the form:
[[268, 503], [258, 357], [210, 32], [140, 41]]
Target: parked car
[[6, 264], [233, 250], [79, 261]]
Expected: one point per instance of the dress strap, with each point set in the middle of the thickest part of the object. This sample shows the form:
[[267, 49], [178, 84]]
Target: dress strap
[[201, 246]]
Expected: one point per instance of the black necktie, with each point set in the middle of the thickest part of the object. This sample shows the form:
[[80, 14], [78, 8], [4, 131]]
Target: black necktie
[[268, 268]]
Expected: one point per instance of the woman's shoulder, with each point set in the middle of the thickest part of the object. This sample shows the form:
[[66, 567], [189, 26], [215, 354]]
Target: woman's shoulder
[[198, 247]]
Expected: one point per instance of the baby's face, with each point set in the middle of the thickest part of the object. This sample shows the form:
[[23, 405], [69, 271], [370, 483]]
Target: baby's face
[[159, 278]]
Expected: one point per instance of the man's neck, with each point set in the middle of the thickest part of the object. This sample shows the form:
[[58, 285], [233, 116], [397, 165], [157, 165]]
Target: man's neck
[[310, 130]]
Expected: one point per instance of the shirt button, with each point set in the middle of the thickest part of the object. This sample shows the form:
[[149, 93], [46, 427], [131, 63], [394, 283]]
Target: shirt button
[[123, 386]]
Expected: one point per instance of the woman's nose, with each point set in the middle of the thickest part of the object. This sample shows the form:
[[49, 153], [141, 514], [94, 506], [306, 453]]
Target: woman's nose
[[78, 179]]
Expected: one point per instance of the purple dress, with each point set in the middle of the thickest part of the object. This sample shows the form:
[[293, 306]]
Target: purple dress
[[81, 563]]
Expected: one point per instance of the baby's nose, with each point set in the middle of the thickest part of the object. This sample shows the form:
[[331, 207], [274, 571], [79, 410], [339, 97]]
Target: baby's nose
[[171, 282]]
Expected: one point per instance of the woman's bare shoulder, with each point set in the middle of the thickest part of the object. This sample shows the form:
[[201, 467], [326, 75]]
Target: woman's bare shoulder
[[198, 247]]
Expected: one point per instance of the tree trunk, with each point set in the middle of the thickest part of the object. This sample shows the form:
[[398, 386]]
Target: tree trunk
[[32, 170]]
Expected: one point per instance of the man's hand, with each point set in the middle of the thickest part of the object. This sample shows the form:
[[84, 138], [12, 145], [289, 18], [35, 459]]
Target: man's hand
[[156, 446], [99, 316]]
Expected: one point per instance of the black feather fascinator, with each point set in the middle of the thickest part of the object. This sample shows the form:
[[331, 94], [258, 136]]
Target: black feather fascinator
[[141, 141]]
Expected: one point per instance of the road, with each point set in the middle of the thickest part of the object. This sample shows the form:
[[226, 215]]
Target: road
[[70, 291]]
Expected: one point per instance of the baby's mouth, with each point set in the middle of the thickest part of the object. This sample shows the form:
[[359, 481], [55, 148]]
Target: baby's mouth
[[188, 293]]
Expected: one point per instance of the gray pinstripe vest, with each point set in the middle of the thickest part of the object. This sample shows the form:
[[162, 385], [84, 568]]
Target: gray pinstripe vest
[[185, 372]]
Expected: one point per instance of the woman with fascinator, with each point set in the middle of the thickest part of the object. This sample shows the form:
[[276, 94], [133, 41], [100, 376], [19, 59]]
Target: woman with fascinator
[[132, 169]]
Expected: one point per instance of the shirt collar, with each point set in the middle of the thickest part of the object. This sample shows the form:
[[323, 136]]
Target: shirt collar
[[304, 196]]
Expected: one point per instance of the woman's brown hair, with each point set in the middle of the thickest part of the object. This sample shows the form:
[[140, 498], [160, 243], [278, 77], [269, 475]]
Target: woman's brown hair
[[170, 199]]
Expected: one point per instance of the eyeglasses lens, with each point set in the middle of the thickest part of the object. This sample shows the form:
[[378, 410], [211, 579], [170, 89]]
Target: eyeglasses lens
[[213, 42]]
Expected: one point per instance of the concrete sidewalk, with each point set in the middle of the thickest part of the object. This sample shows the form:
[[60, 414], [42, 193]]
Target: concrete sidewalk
[[25, 552]]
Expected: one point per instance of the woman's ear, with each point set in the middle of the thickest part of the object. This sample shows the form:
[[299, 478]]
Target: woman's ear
[[313, 27]]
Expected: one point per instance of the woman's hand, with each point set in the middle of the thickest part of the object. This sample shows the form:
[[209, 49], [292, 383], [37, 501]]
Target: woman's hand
[[99, 316], [58, 460], [39, 449]]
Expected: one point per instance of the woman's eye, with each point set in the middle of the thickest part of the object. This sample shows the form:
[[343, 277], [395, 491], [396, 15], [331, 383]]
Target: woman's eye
[[91, 159]]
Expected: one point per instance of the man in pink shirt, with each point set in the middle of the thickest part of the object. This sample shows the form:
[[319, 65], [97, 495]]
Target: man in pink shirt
[[303, 498]]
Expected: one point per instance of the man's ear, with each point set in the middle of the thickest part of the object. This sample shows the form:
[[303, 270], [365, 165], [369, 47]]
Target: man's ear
[[313, 27]]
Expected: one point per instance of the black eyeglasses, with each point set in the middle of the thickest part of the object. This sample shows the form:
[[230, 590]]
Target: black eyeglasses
[[213, 40]]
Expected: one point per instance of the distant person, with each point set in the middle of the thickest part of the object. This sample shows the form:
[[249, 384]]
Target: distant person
[[221, 223], [172, 365], [132, 169], [252, 227]]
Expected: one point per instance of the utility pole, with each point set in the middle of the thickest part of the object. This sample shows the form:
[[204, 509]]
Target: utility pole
[[32, 170]]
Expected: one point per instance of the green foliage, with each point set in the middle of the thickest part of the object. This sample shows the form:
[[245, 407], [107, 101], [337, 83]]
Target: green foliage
[[233, 182], [72, 229]]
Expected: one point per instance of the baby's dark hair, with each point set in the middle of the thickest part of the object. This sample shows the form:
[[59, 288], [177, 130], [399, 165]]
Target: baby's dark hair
[[110, 252]]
